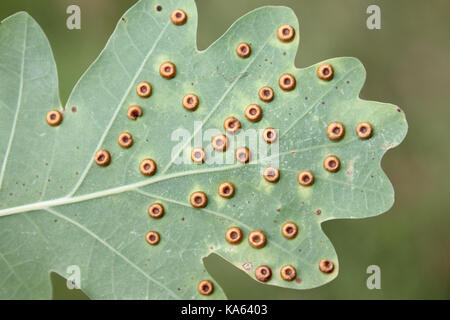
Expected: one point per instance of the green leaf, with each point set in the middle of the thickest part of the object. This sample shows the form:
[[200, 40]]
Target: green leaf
[[58, 208]]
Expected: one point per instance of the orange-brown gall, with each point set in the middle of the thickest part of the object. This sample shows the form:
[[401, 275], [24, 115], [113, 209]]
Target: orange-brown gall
[[167, 70], [243, 50], [335, 131], [152, 238], [54, 118], [288, 272], [325, 71], [147, 167], [287, 82], [364, 130], [326, 266], [253, 112], [102, 157], [205, 287], [190, 102], [263, 273], [144, 89], [257, 239], [233, 235], [134, 112], [226, 190], [178, 17], [286, 33], [266, 94], [198, 155], [332, 163], [305, 178], [156, 210], [289, 230], [219, 142], [199, 199], [125, 140], [243, 154], [270, 135], [232, 125], [271, 174]]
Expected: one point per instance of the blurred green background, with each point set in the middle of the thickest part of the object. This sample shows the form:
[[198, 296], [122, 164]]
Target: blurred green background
[[407, 64]]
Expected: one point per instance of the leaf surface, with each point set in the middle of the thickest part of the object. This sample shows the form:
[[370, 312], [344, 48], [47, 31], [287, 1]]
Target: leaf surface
[[58, 208]]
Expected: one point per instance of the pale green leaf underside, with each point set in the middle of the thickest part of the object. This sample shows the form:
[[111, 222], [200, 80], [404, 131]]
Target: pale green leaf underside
[[58, 208]]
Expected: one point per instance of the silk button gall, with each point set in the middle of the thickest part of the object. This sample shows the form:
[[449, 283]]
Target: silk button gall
[[198, 199], [271, 174], [198, 155], [102, 157], [266, 94], [326, 266], [134, 112], [332, 163], [288, 272], [147, 167], [54, 118], [335, 131], [286, 33], [305, 178], [144, 89], [243, 154], [152, 238], [243, 50], [233, 235], [125, 140], [219, 142], [167, 70], [226, 190], [190, 102], [257, 239], [232, 125], [364, 130], [263, 273], [289, 230], [253, 112], [156, 210], [178, 17], [270, 135], [205, 287], [325, 71], [287, 82]]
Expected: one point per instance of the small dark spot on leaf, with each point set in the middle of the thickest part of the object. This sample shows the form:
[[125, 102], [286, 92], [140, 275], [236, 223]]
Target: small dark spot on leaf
[[298, 280], [323, 102], [398, 110], [284, 53], [124, 20], [179, 289], [182, 219], [10, 194], [278, 209], [306, 98], [347, 82], [318, 211], [74, 109], [56, 220], [158, 8], [46, 163]]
